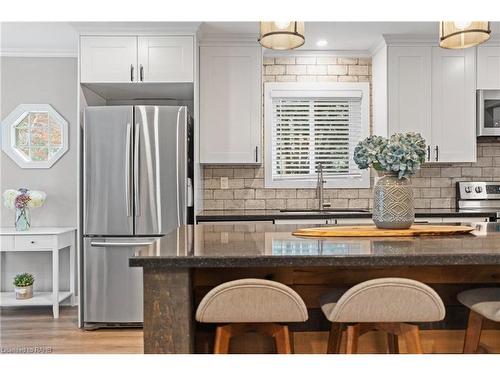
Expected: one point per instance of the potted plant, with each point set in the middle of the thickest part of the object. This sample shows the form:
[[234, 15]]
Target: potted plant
[[22, 200], [23, 285], [395, 159]]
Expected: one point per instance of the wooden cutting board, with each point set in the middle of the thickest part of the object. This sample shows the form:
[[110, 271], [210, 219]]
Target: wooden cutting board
[[373, 231]]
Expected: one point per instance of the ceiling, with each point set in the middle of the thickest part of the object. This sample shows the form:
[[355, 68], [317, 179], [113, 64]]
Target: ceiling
[[61, 38]]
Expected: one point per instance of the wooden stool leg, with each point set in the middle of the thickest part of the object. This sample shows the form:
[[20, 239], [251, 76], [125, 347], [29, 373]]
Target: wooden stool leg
[[412, 339], [473, 333], [334, 338], [223, 335], [282, 339], [352, 339], [393, 343]]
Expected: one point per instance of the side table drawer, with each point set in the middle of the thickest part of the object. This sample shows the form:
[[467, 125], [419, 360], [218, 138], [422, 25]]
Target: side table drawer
[[34, 242]]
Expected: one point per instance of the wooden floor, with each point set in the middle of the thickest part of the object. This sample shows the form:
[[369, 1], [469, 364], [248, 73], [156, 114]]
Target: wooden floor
[[35, 327]]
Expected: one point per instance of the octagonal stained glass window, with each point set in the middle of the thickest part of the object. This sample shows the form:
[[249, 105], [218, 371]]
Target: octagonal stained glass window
[[35, 135]]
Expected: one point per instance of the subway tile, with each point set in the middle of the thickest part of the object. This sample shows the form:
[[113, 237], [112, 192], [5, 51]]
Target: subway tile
[[338, 70], [326, 60], [286, 193], [440, 182], [275, 204], [339, 203], [295, 69], [357, 70], [431, 193], [244, 194], [264, 193], [275, 69], [284, 60], [296, 203], [222, 172], [348, 79], [307, 78], [255, 204], [286, 78], [208, 194], [471, 172], [421, 182], [491, 151], [348, 193], [306, 193], [244, 173], [430, 172], [327, 78], [268, 61], [211, 204], [211, 183], [317, 69], [451, 172], [313, 203], [254, 183], [259, 172], [448, 192], [484, 161], [442, 203], [365, 193], [306, 60], [223, 194], [347, 60], [269, 78], [358, 203], [236, 204], [236, 183], [364, 60], [422, 203]]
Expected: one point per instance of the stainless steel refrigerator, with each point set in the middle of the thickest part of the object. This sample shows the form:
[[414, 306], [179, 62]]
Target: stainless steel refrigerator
[[137, 186]]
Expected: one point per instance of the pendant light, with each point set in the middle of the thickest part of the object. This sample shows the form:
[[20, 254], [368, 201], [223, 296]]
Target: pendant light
[[282, 35], [463, 34]]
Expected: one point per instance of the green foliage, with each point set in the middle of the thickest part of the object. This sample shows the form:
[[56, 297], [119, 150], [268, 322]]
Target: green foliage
[[24, 279], [401, 153]]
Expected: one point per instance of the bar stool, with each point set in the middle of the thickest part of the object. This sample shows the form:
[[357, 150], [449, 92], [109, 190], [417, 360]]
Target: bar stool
[[484, 303], [252, 305], [385, 304]]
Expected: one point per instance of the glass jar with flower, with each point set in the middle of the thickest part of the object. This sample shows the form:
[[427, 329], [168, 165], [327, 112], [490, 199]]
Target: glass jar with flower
[[22, 200], [395, 159]]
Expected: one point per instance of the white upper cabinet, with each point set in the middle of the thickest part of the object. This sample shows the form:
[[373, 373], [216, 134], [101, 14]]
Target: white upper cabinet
[[409, 90], [453, 105], [116, 59], [166, 58], [430, 90], [488, 67], [230, 104], [108, 58]]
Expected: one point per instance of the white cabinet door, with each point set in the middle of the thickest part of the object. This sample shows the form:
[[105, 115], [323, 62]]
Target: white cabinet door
[[488, 67], [230, 105], [409, 90], [108, 59], [453, 105], [166, 58]]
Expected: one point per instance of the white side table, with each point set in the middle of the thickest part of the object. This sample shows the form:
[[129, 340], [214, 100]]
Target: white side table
[[51, 239]]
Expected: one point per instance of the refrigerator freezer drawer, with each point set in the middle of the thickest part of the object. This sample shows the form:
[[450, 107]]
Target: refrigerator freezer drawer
[[112, 290]]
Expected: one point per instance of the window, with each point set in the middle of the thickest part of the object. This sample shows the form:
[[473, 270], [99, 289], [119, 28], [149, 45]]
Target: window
[[34, 135], [307, 124]]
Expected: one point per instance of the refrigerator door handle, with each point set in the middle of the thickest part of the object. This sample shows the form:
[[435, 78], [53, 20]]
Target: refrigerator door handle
[[128, 170], [120, 244], [177, 168], [137, 206]]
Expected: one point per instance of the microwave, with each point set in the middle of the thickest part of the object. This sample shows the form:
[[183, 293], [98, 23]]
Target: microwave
[[488, 113]]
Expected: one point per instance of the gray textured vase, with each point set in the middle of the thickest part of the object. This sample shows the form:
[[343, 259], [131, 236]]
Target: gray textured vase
[[393, 202]]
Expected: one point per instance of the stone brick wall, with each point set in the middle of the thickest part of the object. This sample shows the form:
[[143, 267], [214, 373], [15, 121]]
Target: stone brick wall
[[434, 185]]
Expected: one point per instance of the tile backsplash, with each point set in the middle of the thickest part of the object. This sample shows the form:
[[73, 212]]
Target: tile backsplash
[[433, 186]]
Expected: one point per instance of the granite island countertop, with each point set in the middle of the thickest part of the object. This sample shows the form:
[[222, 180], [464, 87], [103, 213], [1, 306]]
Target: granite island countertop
[[270, 245], [270, 215]]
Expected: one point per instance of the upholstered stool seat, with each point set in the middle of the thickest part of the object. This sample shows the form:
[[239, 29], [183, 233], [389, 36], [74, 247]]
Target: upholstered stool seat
[[252, 305], [484, 303], [385, 304]]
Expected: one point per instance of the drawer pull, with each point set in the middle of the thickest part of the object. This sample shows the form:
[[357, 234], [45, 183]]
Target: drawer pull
[[32, 241]]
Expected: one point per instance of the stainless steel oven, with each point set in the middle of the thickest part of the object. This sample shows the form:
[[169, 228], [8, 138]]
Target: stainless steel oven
[[488, 113], [479, 196]]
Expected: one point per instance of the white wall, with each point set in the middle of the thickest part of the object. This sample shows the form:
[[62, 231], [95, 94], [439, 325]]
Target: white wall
[[53, 81]]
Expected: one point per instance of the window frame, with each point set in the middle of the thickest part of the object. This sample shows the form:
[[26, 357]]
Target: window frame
[[8, 135], [314, 90]]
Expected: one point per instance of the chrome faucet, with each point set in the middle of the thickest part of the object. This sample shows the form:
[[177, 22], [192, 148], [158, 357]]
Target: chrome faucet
[[319, 189]]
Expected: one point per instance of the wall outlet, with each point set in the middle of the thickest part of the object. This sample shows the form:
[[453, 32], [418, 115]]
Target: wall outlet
[[224, 183]]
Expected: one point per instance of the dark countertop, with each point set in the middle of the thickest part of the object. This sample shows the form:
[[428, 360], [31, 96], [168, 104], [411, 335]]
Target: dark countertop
[[269, 245], [267, 215]]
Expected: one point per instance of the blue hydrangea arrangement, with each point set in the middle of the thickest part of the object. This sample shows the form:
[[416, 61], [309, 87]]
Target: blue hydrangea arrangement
[[401, 154]]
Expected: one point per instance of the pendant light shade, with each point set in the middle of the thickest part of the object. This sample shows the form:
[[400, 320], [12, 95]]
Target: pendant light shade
[[457, 35], [282, 35]]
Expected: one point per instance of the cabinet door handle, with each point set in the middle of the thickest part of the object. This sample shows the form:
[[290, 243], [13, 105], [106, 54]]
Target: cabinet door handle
[[437, 153], [131, 73], [429, 153], [141, 73], [256, 154]]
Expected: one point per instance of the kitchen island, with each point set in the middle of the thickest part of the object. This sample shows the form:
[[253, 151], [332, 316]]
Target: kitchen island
[[182, 266]]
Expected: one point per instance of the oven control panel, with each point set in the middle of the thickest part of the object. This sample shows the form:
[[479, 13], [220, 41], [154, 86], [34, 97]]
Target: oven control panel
[[478, 190]]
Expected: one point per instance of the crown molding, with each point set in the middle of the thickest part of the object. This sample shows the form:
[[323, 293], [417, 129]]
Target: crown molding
[[27, 52], [377, 46], [411, 39], [121, 28], [227, 39], [316, 53]]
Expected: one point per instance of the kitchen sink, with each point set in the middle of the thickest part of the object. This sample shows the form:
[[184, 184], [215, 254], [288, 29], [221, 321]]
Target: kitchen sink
[[330, 211]]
